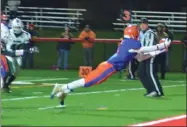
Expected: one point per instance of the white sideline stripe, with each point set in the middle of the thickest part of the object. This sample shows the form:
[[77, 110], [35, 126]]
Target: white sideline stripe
[[49, 79], [51, 107], [85, 93], [22, 83], [161, 121], [23, 98]]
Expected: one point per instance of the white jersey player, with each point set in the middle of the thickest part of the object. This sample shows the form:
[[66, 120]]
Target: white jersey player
[[17, 37], [13, 39]]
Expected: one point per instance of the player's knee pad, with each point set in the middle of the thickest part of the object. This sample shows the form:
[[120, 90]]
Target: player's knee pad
[[9, 79], [12, 78]]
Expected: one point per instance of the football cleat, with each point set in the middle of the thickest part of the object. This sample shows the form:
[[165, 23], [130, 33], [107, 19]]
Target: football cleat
[[57, 89], [6, 90], [152, 94]]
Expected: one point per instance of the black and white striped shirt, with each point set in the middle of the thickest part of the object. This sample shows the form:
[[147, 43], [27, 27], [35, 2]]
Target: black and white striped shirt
[[148, 38]]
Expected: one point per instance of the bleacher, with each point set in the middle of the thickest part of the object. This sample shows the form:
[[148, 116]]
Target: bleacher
[[176, 21], [50, 17]]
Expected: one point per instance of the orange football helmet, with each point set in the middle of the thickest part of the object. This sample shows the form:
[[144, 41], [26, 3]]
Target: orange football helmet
[[131, 31]]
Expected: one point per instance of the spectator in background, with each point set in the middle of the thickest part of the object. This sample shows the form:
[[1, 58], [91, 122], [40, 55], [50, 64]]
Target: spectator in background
[[63, 49], [28, 58], [160, 34], [161, 58], [170, 36], [166, 30], [87, 36]]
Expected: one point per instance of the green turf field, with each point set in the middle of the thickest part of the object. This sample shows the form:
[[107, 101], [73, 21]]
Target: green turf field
[[116, 102]]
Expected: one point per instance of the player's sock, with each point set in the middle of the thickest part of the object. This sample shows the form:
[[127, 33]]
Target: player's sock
[[6, 81], [74, 84], [11, 79], [62, 102]]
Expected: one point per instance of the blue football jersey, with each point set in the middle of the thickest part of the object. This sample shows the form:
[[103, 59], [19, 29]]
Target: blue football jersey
[[122, 57]]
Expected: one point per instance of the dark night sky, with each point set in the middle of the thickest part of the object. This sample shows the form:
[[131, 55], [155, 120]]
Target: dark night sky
[[105, 11], [170, 5]]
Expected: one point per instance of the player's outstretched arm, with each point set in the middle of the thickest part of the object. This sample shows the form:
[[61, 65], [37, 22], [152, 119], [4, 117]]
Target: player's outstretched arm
[[147, 49], [161, 46], [143, 56]]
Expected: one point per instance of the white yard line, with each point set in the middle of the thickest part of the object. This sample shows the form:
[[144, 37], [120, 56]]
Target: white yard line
[[160, 121], [21, 98], [51, 107], [109, 91], [86, 93], [48, 79], [22, 83]]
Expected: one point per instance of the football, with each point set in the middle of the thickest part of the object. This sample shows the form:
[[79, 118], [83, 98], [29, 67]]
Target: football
[[162, 40]]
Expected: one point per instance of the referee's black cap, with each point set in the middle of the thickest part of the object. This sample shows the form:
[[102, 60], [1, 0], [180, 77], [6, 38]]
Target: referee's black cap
[[144, 20]]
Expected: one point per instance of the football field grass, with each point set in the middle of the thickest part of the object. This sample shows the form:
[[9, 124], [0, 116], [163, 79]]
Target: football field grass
[[116, 102]]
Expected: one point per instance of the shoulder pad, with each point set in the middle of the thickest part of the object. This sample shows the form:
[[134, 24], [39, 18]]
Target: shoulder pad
[[27, 34]]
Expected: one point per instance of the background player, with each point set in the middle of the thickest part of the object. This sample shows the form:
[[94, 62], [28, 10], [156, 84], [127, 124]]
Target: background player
[[15, 39], [124, 54], [6, 64]]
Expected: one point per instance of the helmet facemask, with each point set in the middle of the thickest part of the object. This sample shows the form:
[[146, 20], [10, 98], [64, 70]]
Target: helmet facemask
[[17, 29], [17, 26]]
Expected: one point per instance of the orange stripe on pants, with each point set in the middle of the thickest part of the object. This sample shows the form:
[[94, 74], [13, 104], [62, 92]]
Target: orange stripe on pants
[[4, 60], [100, 74]]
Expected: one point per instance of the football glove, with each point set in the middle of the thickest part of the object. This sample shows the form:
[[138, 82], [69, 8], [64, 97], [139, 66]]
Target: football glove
[[34, 49]]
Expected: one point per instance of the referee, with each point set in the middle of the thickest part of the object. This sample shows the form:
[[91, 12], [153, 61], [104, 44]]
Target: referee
[[147, 71]]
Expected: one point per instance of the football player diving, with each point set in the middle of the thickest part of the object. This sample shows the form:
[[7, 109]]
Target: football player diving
[[128, 49]]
